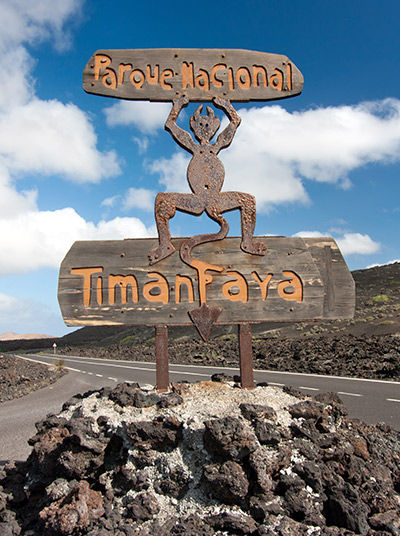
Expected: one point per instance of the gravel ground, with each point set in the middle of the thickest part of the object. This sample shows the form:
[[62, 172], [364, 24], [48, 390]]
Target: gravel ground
[[19, 377]]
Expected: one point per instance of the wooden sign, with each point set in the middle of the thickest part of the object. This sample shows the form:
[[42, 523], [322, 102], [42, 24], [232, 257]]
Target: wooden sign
[[200, 74], [111, 282]]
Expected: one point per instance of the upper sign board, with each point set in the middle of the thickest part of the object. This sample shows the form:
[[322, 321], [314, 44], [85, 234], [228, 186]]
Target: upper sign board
[[201, 74]]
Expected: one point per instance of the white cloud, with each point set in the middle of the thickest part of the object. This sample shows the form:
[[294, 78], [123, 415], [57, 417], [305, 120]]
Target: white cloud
[[110, 201], [133, 198], [138, 198], [172, 172], [357, 243], [349, 243], [38, 136], [37, 239], [274, 151], [310, 234], [7, 302], [394, 261], [146, 116], [36, 20], [142, 143], [24, 315], [50, 137]]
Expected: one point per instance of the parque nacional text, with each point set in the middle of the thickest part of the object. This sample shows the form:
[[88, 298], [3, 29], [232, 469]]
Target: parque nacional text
[[163, 74]]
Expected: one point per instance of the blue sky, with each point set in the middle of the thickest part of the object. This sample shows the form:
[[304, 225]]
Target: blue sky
[[76, 166]]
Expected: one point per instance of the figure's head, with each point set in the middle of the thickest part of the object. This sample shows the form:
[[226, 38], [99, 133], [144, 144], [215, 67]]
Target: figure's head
[[204, 126]]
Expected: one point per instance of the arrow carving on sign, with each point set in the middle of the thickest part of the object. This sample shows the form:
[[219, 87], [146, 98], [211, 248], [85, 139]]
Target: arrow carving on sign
[[204, 318]]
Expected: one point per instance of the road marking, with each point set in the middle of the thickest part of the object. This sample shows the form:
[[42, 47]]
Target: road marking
[[151, 368], [111, 378], [233, 369], [102, 364], [48, 364], [393, 400]]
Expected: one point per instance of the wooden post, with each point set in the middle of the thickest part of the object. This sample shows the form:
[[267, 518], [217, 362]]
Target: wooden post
[[162, 362], [245, 356]]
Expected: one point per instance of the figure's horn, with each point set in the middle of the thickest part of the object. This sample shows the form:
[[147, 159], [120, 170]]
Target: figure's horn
[[198, 111], [210, 112]]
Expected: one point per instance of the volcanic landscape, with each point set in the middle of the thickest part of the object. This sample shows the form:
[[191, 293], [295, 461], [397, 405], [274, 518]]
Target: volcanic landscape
[[208, 458]]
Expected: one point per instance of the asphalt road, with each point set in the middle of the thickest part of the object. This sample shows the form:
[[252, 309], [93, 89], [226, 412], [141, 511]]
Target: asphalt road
[[370, 400]]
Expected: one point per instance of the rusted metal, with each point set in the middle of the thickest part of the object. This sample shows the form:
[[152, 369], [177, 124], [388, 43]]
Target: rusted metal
[[162, 361], [204, 318], [205, 175], [245, 356]]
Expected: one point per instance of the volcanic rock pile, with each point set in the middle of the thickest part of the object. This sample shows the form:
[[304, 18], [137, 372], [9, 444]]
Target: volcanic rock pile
[[204, 459]]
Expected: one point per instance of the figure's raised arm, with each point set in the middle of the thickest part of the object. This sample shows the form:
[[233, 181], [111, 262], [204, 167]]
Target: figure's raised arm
[[226, 136], [181, 136]]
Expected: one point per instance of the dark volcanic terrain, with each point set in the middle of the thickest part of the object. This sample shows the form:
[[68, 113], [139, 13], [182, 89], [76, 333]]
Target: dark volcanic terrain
[[19, 377]]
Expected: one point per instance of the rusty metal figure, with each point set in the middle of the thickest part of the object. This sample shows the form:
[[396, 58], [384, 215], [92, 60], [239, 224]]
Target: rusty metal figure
[[205, 175]]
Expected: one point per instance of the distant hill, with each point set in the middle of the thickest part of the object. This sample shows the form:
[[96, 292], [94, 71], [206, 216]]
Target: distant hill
[[377, 313], [11, 336]]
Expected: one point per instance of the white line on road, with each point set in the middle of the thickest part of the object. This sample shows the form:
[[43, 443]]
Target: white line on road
[[48, 364], [100, 362], [111, 378], [393, 400]]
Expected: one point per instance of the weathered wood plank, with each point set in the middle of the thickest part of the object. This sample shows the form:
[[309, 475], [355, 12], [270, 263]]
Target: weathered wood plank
[[111, 283], [201, 74], [339, 284]]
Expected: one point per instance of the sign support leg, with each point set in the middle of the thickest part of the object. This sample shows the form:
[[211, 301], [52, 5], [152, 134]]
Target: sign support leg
[[245, 356], [162, 361]]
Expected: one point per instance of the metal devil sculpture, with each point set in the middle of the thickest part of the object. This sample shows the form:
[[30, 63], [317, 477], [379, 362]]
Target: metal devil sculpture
[[205, 175], [234, 280]]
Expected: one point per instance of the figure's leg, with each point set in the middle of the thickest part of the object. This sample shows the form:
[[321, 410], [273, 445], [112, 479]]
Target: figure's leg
[[165, 207], [247, 205]]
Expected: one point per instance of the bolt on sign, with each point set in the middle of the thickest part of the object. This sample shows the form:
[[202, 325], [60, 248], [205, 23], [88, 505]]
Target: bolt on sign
[[206, 279]]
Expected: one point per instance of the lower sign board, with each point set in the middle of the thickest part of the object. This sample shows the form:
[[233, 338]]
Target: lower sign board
[[112, 283]]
